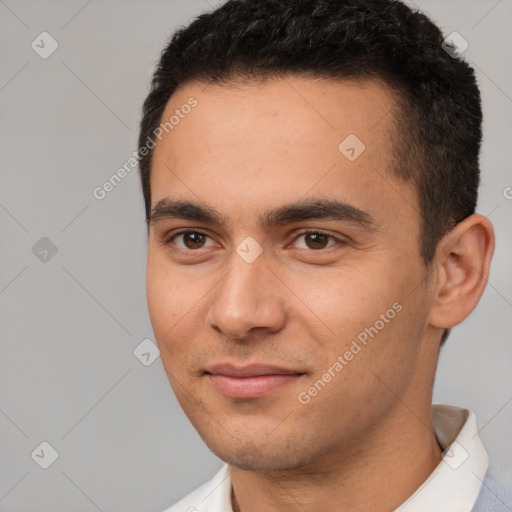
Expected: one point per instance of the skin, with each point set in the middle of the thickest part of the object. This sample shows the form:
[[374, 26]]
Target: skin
[[366, 440]]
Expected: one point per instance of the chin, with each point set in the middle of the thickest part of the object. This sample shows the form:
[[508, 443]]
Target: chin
[[265, 457]]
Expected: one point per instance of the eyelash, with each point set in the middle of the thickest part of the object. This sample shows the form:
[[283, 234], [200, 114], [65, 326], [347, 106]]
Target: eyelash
[[169, 240]]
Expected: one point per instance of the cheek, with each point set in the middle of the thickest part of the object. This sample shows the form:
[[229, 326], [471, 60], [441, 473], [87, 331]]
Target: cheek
[[160, 298], [168, 301], [369, 319], [348, 301], [177, 312]]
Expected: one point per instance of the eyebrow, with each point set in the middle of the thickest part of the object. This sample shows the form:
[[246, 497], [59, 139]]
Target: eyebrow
[[326, 209]]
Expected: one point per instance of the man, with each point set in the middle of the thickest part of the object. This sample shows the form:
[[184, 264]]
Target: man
[[310, 174]]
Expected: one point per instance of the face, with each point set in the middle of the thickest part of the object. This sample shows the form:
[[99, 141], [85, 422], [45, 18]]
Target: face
[[284, 279]]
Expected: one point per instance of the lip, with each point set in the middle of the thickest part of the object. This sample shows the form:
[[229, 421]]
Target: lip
[[251, 381]]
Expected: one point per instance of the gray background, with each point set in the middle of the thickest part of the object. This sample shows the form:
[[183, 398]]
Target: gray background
[[70, 324]]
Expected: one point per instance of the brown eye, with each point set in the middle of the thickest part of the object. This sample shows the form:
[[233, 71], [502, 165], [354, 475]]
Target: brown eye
[[193, 240], [188, 240], [316, 240]]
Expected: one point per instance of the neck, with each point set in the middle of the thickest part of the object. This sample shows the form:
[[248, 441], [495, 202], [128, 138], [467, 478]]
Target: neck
[[377, 471]]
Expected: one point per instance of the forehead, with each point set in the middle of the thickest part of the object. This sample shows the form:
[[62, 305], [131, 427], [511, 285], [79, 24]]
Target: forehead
[[244, 144], [288, 109]]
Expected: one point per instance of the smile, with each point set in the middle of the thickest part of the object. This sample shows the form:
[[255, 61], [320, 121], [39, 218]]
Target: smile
[[249, 382]]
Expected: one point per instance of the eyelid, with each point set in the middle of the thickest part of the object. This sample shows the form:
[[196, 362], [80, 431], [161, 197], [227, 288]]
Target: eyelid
[[167, 239], [316, 231], [340, 241]]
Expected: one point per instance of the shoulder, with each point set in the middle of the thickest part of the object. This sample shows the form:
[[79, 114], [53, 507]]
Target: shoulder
[[493, 497], [212, 496]]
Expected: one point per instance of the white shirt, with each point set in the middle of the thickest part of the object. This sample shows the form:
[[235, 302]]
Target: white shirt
[[453, 486]]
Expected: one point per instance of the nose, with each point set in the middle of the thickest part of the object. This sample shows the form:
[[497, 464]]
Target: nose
[[248, 297]]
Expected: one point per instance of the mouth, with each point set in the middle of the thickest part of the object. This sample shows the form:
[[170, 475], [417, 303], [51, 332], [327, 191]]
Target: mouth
[[252, 381]]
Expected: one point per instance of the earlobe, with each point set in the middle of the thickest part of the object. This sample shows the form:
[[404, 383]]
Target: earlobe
[[463, 259]]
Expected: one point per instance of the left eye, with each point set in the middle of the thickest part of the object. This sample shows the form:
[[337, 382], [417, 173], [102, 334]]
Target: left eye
[[317, 240]]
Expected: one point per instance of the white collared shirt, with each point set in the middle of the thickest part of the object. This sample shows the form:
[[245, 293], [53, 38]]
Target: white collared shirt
[[453, 486]]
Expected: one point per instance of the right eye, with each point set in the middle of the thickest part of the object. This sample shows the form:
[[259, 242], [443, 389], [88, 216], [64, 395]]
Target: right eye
[[191, 240]]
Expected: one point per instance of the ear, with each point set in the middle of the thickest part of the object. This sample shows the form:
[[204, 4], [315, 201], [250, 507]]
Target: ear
[[463, 260]]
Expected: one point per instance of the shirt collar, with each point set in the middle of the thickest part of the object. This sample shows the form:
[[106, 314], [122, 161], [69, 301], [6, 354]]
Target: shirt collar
[[453, 486]]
